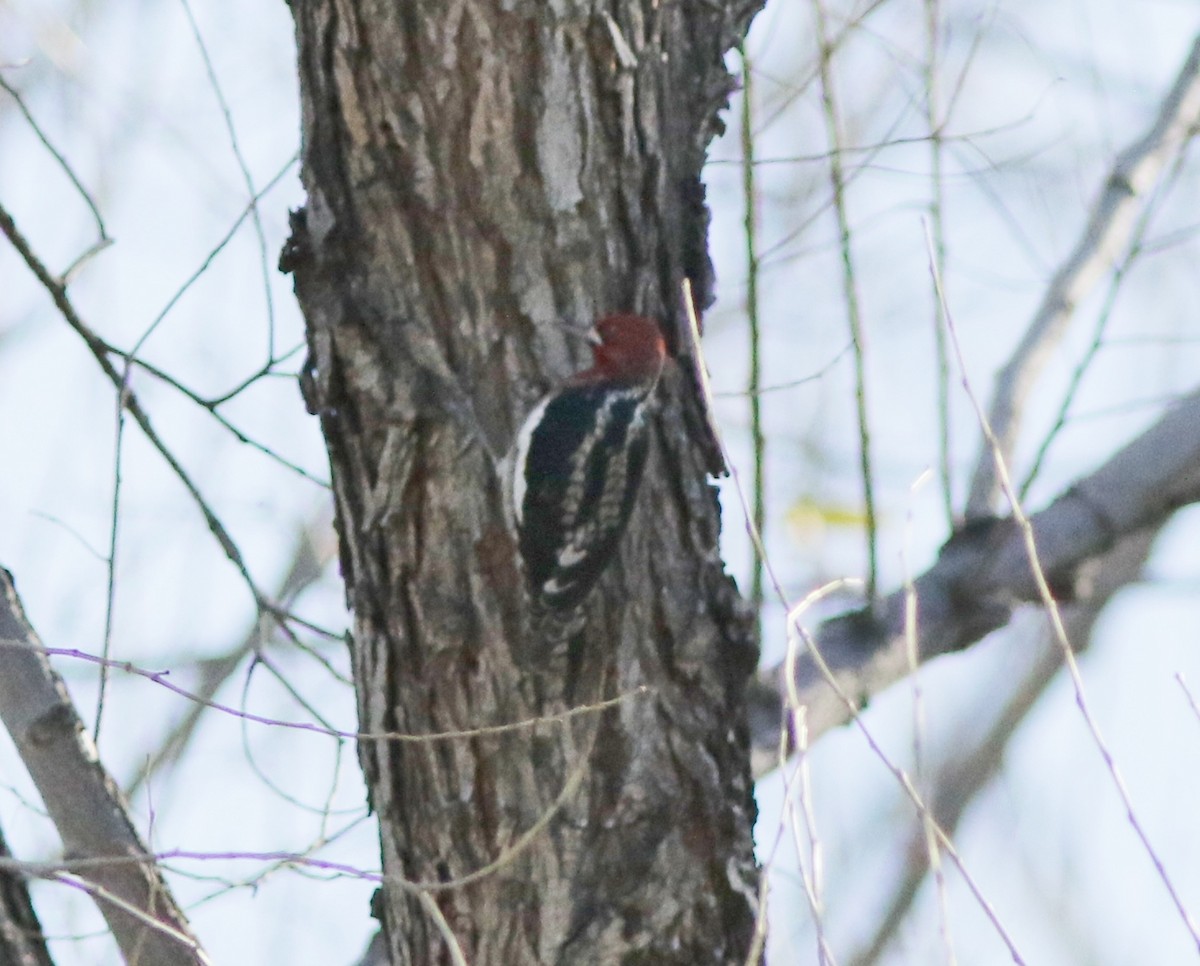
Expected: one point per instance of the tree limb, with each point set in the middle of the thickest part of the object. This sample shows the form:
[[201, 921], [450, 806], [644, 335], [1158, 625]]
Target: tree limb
[[1113, 214], [84, 803], [972, 768], [983, 574]]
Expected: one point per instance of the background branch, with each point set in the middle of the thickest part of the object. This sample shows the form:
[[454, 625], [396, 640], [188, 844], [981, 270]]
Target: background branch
[[1108, 228], [83, 802], [21, 939], [314, 549], [961, 779], [983, 574]]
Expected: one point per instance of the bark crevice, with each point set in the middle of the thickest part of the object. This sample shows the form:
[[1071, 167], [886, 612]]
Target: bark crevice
[[496, 175]]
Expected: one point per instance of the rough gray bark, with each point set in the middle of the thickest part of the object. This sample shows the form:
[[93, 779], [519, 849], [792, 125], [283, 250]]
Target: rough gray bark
[[100, 844], [21, 939], [477, 173]]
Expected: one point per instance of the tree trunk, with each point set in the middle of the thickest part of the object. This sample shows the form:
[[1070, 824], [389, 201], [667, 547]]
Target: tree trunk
[[478, 174]]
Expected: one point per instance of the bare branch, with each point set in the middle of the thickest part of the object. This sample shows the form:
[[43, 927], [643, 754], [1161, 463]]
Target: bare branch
[[850, 289], [103, 240], [758, 441], [1108, 228], [21, 939], [83, 801], [961, 779], [58, 292], [313, 551], [983, 573]]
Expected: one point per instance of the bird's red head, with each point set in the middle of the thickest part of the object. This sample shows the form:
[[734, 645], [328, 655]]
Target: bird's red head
[[628, 348]]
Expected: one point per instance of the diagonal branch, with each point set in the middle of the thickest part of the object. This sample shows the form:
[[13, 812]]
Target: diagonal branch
[[313, 551], [57, 289], [971, 770], [83, 801], [1109, 225], [983, 574]]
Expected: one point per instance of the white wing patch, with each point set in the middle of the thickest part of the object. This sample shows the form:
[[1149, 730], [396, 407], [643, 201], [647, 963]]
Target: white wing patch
[[521, 454], [569, 556]]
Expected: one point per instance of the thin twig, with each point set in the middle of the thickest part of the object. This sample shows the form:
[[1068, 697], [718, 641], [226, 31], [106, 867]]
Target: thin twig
[[794, 383], [105, 896], [1134, 250], [758, 941], [210, 406], [850, 291], [707, 394], [814, 875], [251, 759], [933, 43], [97, 347], [1112, 216], [754, 377], [813, 878], [227, 114], [822, 157], [929, 834], [203, 267], [110, 594], [454, 950], [1187, 692], [522, 842], [104, 239], [483, 731], [1055, 617]]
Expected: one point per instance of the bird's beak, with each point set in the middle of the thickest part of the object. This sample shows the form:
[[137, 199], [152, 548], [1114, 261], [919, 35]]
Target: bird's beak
[[574, 332]]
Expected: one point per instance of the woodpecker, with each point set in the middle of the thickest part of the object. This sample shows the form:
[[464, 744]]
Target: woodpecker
[[578, 461]]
